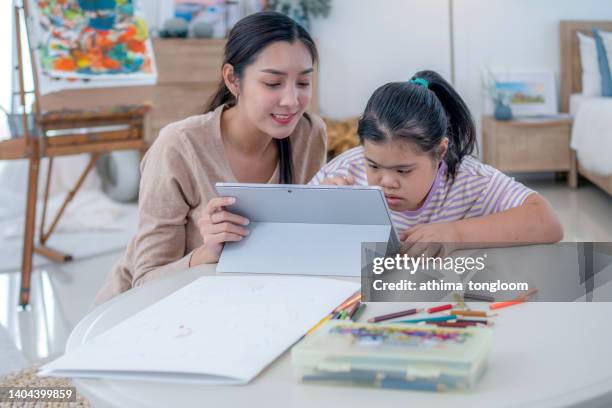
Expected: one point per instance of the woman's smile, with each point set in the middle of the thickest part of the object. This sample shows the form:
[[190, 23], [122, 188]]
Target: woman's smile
[[283, 119]]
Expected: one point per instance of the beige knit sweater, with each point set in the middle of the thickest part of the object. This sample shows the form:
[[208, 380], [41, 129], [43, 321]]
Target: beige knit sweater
[[178, 179]]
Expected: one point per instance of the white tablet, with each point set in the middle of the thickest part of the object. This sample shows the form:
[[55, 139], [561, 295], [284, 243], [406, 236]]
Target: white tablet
[[302, 229]]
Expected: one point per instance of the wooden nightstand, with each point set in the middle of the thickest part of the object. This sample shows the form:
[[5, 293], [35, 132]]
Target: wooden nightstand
[[529, 145]]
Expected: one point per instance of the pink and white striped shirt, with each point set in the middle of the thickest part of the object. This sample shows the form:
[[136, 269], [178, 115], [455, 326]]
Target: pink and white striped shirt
[[476, 190]]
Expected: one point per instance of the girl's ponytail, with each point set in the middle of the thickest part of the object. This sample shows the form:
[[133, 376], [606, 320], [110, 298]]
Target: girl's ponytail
[[460, 128]]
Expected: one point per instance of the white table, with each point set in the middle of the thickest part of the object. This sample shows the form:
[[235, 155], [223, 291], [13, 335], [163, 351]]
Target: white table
[[543, 355]]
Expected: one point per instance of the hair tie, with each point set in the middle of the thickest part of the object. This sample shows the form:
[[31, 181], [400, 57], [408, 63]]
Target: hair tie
[[420, 81]]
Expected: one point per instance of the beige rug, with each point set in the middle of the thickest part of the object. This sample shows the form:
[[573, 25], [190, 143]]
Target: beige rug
[[28, 378]]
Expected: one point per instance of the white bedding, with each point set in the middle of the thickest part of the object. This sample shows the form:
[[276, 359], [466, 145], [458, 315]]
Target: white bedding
[[576, 100], [592, 133]]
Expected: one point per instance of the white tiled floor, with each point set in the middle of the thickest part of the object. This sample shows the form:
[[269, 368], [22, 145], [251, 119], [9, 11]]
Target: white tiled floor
[[586, 213], [62, 294]]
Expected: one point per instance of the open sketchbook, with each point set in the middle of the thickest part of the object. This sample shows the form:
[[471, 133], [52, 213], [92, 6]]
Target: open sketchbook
[[218, 329]]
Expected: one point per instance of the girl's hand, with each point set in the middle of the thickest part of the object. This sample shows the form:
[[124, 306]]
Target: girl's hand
[[433, 240], [218, 226], [339, 181]]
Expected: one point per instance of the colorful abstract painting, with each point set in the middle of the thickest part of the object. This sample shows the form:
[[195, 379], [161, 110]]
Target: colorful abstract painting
[[91, 40]]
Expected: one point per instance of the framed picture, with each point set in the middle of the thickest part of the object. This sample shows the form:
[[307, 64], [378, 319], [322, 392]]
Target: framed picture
[[530, 94]]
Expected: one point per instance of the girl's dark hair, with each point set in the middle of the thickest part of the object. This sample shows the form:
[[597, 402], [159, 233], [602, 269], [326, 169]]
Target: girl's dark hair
[[246, 40], [423, 113]]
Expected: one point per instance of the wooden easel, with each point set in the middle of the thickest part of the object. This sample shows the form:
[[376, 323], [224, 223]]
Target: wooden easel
[[77, 131]]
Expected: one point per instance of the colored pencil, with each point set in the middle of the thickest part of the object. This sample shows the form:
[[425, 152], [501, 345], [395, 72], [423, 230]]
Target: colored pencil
[[359, 312], [429, 319], [519, 299], [525, 297], [500, 305], [353, 310], [476, 296], [349, 302], [439, 308], [393, 315], [321, 322], [475, 322], [472, 313], [450, 324]]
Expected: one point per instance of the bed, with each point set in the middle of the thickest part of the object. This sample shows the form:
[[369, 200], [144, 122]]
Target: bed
[[591, 114]]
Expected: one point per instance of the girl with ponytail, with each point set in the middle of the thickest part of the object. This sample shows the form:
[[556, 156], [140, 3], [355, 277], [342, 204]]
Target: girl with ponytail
[[417, 139], [255, 129]]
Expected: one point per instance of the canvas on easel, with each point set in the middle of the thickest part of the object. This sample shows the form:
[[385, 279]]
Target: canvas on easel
[[90, 53], [93, 69], [81, 44]]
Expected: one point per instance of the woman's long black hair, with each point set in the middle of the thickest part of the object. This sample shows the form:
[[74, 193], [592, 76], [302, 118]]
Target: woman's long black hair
[[246, 40], [422, 111]]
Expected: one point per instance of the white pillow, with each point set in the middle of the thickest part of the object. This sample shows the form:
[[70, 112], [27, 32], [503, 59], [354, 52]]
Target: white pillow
[[591, 78]]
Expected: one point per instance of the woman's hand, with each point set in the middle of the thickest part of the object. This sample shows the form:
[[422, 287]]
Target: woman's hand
[[435, 240], [339, 181], [218, 226]]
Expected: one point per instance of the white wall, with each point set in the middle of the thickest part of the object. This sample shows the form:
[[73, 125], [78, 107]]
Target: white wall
[[513, 35], [366, 43], [6, 38]]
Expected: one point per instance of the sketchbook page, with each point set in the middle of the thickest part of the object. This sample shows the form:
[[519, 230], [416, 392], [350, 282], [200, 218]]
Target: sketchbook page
[[176, 378], [230, 327]]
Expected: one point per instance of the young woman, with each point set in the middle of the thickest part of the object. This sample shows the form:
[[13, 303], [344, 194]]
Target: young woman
[[256, 130], [417, 139]]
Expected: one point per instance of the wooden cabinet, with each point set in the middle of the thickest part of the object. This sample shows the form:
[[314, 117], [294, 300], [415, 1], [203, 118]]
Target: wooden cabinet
[[527, 145], [188, 73]]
